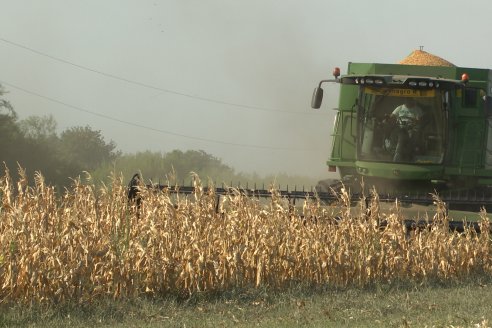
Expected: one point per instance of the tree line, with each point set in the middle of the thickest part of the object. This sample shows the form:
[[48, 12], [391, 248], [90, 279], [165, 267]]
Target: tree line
[[35, 145]]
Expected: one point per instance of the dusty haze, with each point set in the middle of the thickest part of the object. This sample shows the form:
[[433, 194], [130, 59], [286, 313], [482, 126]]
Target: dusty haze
[[233, 78]]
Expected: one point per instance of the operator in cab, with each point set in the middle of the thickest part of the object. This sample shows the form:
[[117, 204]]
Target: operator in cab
[[407, 117]]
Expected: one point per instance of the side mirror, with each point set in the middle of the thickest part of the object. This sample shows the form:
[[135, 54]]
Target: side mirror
[[317, 98]]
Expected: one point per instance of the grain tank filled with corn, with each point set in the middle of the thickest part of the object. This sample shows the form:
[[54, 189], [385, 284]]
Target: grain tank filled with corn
[[444, 146]]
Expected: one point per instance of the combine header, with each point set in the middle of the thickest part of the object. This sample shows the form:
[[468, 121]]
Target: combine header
[[291, 197]]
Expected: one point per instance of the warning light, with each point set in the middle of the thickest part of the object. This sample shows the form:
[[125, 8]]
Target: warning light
[[465, 78], [336, 72]]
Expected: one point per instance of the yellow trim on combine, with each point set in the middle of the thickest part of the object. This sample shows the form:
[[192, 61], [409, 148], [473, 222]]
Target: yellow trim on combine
[[401, 92]]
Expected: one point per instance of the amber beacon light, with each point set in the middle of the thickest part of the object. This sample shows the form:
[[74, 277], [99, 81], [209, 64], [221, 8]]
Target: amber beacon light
[[336, 72]]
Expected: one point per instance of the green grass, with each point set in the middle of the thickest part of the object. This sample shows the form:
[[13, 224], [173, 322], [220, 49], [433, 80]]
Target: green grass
[[450, 304]]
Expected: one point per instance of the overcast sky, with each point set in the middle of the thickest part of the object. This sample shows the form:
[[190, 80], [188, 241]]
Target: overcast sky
[[233, 78]]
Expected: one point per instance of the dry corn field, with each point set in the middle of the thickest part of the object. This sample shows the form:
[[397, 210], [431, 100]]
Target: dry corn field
[[88, 244]]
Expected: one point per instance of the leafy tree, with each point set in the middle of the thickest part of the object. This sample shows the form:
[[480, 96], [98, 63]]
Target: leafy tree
[[34, 145], [10, 134], [39, 127], [42, 151], [197, 161], [86, 148], [157, 167]]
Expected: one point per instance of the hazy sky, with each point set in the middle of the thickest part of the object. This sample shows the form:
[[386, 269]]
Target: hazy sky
[[233, 78]]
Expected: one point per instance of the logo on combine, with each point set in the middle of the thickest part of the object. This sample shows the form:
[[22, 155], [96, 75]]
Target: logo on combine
[[400, 92]]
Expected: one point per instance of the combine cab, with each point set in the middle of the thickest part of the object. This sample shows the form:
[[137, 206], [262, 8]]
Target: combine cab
[[444, 145]]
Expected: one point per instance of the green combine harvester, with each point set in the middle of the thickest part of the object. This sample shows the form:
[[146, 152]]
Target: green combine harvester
[[415, 132], [414, 128]]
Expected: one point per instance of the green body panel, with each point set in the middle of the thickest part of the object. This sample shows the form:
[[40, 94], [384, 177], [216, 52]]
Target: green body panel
[[468, 148], [476, 75], [394, 69], [344, 137], [343, 149], [468, 131]]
